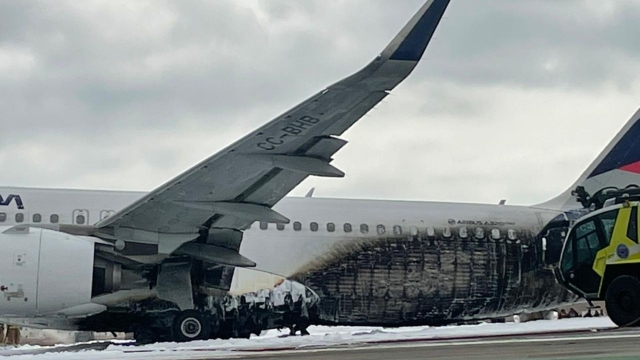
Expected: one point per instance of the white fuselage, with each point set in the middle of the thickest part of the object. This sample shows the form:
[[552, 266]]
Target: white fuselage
[[371, 257], [284, 250]]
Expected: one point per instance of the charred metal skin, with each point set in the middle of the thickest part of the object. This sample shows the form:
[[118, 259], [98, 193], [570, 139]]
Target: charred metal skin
[[437, 280]]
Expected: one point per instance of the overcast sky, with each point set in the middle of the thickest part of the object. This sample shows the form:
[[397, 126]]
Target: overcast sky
[[512, 100]]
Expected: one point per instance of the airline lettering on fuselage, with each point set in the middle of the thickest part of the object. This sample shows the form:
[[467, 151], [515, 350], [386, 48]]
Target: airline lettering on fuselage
[[9, 199], [294, 128], [480, 223]]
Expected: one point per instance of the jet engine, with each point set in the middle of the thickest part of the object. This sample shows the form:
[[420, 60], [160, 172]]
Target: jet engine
[[45, 272]]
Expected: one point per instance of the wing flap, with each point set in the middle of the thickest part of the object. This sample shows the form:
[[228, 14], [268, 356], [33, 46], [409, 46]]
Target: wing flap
[[215, 254], [325, 146], [241, 210], [304, 164]]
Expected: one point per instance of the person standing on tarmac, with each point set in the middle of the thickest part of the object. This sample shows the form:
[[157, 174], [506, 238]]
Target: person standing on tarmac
[[11, 336]]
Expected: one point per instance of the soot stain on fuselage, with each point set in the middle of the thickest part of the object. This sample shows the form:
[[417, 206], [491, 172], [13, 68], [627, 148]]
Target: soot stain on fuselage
[[420, 280]]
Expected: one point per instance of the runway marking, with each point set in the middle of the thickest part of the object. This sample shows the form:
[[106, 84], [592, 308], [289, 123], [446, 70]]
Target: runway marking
[[438, 344]]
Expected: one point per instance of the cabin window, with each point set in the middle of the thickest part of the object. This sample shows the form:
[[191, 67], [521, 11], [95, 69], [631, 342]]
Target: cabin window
[[431, 231], [314, 226], [280, 227], [511, 234], [414, 230], [567, 257], [347, 227], [80, 219], [364, 228], [397, 230], [264, 225], [587, 245], [19, 217], [331, 227], [297, 226], [37, 218], [54, 219], [495, 234], [463, 233], [479, 233], [446, 232], [381, 229], [3, 217], [608, 220], [632, 229]]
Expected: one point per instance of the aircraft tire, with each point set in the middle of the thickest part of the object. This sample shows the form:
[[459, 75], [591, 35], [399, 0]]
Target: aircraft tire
[[623, 300], [191, 325]]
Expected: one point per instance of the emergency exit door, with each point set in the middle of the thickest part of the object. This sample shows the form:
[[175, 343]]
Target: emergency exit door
[[80, 217]]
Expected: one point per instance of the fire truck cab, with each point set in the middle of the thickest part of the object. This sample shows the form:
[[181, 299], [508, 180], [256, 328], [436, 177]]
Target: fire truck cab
[[600, 260]]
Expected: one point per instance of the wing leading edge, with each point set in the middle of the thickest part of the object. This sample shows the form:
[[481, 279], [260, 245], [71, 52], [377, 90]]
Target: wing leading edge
[[239, 185]]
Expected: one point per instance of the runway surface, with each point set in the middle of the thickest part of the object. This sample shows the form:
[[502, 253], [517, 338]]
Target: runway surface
[[614, 344]]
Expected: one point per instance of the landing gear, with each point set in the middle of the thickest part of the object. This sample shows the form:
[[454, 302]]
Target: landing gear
[[223, 317], [178, 326], [191, 325]]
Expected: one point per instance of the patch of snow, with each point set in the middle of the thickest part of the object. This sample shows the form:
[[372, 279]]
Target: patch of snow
[[321, 336]]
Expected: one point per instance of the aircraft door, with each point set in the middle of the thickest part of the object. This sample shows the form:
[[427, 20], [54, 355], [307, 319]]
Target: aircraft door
[[105, 214], [552, 239], [80, 217]]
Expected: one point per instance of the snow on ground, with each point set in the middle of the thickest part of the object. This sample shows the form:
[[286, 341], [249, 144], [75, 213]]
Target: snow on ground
[[321, 336]]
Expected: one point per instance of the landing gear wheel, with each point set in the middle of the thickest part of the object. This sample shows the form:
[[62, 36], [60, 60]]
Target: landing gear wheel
[[623, 300], [191, 325]]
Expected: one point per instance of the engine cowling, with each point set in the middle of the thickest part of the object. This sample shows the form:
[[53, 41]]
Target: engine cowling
[[44, 272]]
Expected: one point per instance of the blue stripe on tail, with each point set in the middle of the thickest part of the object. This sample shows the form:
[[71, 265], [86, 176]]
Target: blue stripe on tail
[[625, 152]]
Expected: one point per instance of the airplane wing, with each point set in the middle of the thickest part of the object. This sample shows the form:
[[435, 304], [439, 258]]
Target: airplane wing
[[239, 185]]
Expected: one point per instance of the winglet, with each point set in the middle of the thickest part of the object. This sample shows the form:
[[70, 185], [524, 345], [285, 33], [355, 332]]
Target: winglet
[[412, 41], [403, 53]]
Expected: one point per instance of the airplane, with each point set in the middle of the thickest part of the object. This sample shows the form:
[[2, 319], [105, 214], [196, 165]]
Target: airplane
[[219, 251]]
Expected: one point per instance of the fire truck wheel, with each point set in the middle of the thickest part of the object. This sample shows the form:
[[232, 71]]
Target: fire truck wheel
[[623, 300]]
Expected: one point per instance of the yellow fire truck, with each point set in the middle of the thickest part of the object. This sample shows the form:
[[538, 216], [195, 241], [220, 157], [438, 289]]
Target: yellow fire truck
[[601, 260]]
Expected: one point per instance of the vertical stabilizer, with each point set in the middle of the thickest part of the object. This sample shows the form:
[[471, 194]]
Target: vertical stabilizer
[[617, 166]]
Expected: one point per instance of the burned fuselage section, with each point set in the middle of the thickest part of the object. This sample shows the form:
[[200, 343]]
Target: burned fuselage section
[[448, 277], [431, 270]]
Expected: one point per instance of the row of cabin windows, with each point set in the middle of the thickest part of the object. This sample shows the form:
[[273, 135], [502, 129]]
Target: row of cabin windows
[[463, 232], [36, 218], [80, 219]]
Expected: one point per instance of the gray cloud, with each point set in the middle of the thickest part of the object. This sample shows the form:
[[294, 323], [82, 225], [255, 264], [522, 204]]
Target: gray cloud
[[127, 94]]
